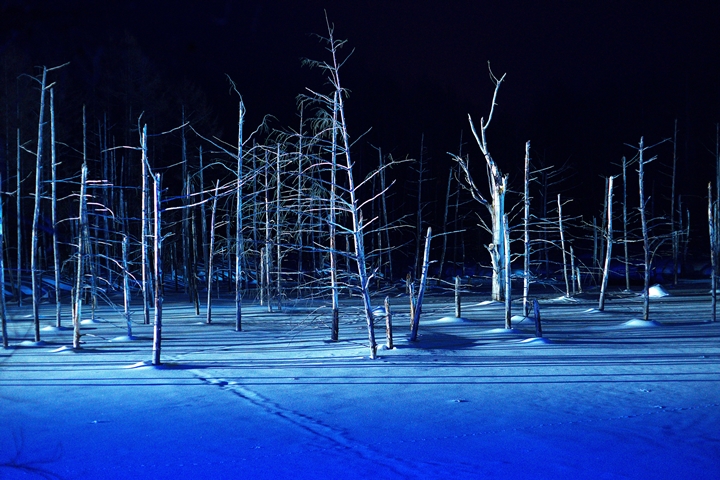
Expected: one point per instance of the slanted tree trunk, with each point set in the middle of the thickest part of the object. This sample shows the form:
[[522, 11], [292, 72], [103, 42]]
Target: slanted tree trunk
[[423, 283], [458, 298], [209, 266], [34, 267], [609, 240], [82, 237]]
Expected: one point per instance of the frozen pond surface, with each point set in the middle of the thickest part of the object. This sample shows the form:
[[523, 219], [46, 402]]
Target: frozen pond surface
[[603, 396]]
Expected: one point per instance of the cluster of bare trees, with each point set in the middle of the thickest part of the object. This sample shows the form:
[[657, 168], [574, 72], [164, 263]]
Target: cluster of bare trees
[[282, 213]]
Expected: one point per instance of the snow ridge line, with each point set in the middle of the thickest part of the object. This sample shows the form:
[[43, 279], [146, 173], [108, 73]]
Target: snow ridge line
[[337, 438]]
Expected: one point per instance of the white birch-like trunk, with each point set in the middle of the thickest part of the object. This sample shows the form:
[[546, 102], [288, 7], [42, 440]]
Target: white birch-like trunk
[[625, 222], [332, 225], [507, 272], [56, 253], [209, 266], [157, 328], [82, 236], [526, 233], [34, 267], [562, 247], [645, 234], [144, 227], [609, 239], [126, 285], [239, 247]]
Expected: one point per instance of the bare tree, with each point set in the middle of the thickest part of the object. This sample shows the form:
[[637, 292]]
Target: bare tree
[[496, 205]]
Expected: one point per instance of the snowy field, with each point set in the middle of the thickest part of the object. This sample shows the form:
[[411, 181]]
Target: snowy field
[[605, 396]]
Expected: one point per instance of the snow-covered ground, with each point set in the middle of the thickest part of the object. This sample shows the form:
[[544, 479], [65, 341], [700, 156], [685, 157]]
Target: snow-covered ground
[[604, 396]]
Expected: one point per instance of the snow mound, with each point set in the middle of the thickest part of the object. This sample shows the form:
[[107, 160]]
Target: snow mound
[[638, 323], [536, 341], [592, 310], [447, 320], [89, 321], [63, 349], [487, 302], [657, 291], [145, 363], [53, 328], [124, 338], [30, 343], [564, 299], [505, 331]]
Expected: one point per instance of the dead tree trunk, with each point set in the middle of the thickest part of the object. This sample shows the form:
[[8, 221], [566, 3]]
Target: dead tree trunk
[[144, 227], [82, 237], [562, 247], [496, 205], [3, 310], [332, 225], [34, 267], [239, 247], [126, 286], [506, 271], [423, 282], [56, 253], [712, 214], [209, 266], [157, 329], [526, 234], [609, 239], [625, 222]]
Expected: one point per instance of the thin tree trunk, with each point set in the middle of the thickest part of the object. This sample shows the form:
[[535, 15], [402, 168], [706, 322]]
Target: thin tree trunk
[[3, 309], [126, 285], [713, 252], [458, 298], [421, 292], [82, 236], [608, 253], [157, 329], [562, 246], [625, 221], [239, 247], [507, 272], [526, 233], [209, 265], [388, 324], [34, 267], [645, 235], [332, 224], [56, 253], [144, 227], [445, 223], [18, 218], [675, 243]]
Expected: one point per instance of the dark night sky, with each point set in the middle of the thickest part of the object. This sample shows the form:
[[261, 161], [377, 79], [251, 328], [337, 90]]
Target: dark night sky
[[583, 78]]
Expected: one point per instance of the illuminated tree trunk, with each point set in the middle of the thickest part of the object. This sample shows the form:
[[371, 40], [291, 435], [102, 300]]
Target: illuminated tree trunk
[[157, 329], [609, 239], [421, 292], [34, 268], [82, 238], [209, 266], [526, 233], [56, 254]]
